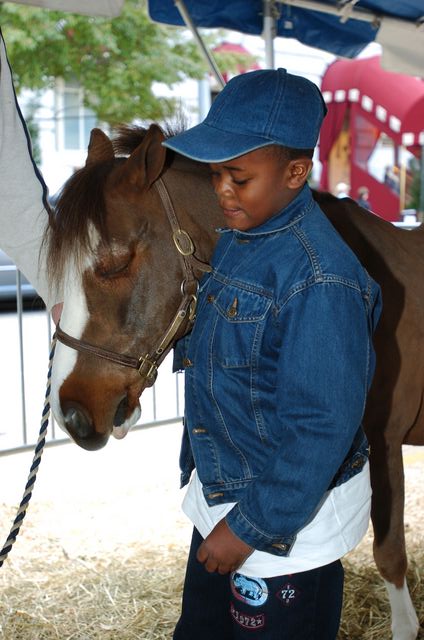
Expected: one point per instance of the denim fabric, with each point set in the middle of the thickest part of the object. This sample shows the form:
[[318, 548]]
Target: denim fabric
[[277, 370], [303, 606], [256, 109]]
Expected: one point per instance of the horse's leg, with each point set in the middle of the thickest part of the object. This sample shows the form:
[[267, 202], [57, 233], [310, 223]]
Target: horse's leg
[[387, 513], [405, 625]]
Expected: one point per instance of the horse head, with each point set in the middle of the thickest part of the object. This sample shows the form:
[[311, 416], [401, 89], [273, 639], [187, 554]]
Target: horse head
[[127, 246]]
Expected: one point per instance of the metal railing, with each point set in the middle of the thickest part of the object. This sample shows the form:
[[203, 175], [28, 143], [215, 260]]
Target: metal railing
[[25, 339]]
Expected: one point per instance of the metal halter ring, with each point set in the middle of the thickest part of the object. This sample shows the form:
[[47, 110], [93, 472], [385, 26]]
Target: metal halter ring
[[192, 308], [183, 242], [183, 287]]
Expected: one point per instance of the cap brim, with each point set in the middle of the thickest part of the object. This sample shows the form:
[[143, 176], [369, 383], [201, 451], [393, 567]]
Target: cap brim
[[209, 144]]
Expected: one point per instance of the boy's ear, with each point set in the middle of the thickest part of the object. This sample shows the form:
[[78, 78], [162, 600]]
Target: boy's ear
[[299, 171]]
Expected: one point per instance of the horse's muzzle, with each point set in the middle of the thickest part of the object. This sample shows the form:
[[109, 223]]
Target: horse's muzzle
[[80, 427]]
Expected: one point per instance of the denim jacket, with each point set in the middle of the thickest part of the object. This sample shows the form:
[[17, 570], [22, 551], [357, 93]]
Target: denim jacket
[[277, 370]]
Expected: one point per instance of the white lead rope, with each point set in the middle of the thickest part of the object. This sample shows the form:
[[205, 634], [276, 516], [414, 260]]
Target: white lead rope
[[39, 448]]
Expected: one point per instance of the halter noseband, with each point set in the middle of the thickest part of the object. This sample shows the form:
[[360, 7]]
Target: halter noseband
[[147, 364]]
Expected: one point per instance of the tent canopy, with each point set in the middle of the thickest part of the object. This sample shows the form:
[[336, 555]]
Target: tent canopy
[[341, 27], [364, 100], [392, 102], [321, 31]]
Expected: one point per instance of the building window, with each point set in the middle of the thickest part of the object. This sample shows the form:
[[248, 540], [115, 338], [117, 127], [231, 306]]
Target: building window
[[77, 120]]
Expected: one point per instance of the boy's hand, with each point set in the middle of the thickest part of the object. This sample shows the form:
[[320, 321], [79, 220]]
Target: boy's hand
[[222, 550]]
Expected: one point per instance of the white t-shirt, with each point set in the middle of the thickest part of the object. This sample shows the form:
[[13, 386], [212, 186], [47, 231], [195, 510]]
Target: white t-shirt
[[337, 527]]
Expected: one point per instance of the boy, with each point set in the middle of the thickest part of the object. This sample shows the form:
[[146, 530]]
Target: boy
[[277, 369]]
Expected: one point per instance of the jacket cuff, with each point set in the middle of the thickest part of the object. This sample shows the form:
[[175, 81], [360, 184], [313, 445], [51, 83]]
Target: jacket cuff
[[251, 535]]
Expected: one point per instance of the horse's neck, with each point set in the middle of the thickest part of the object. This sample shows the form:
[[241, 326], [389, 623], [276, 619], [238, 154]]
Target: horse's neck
[[207, 217], [196, 205]]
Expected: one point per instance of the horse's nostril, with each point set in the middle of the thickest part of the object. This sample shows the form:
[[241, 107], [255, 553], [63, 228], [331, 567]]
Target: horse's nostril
[[121, 412], [81, 428], [78, 423]]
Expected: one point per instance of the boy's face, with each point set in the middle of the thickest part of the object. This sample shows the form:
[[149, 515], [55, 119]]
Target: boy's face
[[254, 187]]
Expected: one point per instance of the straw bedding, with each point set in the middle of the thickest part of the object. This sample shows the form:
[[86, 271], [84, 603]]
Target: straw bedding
[[127, 596], [99, 575], [137, 595]]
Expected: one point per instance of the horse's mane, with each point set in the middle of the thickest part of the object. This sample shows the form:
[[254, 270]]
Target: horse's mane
[[126, 137], [81, 205]]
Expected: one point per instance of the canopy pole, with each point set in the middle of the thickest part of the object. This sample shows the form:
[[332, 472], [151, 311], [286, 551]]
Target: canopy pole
[[402, 178], [207, 55], [269, 32]]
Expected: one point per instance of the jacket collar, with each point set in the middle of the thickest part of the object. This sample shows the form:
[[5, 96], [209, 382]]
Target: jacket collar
[[288, 216]]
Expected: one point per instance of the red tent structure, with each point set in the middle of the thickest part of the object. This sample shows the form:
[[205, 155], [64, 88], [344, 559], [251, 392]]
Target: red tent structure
[[247, 62], [365, 105]]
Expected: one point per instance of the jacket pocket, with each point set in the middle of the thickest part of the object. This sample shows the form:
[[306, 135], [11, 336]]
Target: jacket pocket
[[239, 325]]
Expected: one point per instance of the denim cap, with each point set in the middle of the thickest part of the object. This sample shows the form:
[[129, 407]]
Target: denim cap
[[253, 110]]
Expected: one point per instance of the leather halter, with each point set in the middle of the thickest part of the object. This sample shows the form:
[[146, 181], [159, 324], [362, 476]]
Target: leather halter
[[147, 364]]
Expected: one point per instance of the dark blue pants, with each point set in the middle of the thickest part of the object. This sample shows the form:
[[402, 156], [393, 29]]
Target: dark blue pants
[[302, 606]]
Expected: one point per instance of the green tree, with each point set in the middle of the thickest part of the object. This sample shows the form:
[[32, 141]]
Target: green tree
[[415, 188], [31, 123], [116, 61]]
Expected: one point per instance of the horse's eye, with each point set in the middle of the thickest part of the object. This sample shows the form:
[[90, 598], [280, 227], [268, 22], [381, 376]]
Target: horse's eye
[[112, 270]]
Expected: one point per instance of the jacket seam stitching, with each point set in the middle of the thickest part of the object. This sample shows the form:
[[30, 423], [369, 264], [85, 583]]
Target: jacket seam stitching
[[311, 282]]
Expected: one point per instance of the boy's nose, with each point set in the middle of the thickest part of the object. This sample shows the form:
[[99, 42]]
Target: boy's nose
[[222, 186]]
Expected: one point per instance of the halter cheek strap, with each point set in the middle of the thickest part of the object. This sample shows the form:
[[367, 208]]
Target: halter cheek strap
[[147, 364]]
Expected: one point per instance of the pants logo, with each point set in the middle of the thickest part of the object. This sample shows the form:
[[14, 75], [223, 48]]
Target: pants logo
[[246, 621], [253, 591], [288, 594]]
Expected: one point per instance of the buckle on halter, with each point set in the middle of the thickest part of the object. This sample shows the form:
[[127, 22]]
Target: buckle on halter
[[192, 308], [152, 369], [183, 242]]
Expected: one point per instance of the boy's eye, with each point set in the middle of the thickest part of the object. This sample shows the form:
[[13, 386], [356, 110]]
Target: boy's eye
[[218, 175]]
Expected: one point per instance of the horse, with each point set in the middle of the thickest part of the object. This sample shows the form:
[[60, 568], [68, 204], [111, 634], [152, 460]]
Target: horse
[[133, 233]]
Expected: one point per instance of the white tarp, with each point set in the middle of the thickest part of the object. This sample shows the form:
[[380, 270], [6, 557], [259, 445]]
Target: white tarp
[[106, 8], [403, 47]]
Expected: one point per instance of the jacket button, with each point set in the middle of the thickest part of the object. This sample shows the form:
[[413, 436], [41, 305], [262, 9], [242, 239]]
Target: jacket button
[[210, 298], [187, 362], [232, 312], [281, 546], [211, 496], [197, 430]]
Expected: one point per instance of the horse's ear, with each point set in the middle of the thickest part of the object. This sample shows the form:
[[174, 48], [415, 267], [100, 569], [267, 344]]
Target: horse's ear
[[145, 164], [100, 148]]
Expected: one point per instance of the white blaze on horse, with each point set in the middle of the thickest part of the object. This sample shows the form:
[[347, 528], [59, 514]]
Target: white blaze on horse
[[133, 233]]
